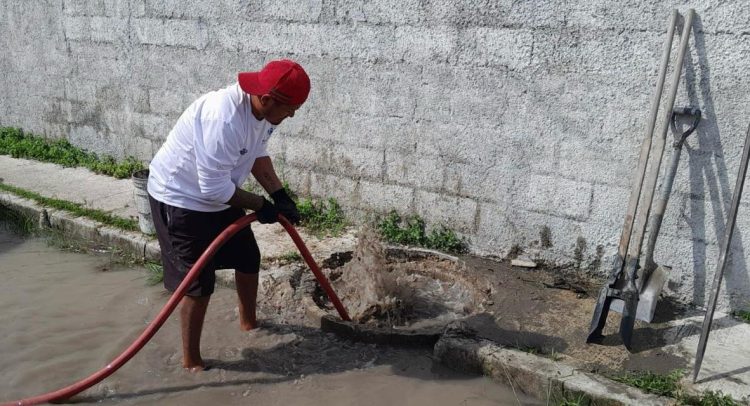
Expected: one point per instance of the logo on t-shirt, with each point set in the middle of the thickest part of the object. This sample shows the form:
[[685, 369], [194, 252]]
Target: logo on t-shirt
[[268, 135], [243, 151]]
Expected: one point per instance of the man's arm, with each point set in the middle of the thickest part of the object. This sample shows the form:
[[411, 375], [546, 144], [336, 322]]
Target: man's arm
[[265, 174], [246, 200]]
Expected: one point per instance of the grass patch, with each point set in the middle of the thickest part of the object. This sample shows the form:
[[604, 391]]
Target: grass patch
[[75, 208], [322, 218], [669, 385], [708, 398], [16, 222], [412, 232], [291, 256], [569, 400], [16, 143], [743, 315], [155, 273], [649, 382]]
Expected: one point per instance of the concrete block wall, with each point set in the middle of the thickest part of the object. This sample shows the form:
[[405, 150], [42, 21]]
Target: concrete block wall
[[516, 123]]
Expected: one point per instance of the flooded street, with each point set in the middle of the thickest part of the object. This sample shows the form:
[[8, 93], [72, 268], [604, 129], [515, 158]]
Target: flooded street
[[65, 315]]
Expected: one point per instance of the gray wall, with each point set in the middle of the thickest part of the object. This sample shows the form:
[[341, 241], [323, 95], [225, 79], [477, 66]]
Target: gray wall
[[499, 119]]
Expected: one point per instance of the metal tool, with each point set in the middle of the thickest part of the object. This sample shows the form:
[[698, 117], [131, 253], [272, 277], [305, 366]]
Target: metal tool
[[729, 231], [651, 277], [616, 287]]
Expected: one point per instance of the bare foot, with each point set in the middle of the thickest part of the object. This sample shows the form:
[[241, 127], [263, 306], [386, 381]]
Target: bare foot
[[194, 366], [249, 325]]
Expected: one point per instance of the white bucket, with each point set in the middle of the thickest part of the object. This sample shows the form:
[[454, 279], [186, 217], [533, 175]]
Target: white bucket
[[145, 222]]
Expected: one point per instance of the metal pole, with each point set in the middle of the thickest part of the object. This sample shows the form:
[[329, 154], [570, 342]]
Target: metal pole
[[728, 231]]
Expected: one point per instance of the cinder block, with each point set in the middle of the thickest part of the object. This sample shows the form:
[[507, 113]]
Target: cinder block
[[423, 44], [690, 217], [77, 28], [485, 183], [511, 48], [458, 142], [497, 230], [356, 162], [425, 172], [176, 9], [589, 51], [308, 153], [554, 196], [180, 33], [608, 207], [586, 160], [137, 99], [345, 190], [125, 8], [78, 8], [385, 12], [383, 197], [154, 126], [79, 90], [169, 102], [294, 10], [456, 213], [108, 29], [350, 127]]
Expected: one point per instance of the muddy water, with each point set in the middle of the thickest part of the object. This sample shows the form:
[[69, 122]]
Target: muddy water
[[401, 292], [65, 315]]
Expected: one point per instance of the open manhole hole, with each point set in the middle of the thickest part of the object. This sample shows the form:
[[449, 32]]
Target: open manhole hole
[[398, 295]]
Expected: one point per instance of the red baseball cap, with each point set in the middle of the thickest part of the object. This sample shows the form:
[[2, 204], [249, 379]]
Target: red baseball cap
[[283, 79]]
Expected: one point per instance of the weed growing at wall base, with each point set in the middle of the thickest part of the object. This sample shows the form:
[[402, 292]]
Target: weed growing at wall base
[[412, 232], [322, 217], [16, 143]]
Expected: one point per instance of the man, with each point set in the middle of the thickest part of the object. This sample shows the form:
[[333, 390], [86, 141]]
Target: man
[[195, 190]]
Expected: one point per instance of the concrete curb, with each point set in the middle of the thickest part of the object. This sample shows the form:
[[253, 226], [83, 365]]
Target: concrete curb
[[531, 374], [128, 242], [379, 335]]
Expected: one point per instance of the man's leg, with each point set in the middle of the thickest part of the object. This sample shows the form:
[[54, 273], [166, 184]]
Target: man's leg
[[192, 313], [247, 292]]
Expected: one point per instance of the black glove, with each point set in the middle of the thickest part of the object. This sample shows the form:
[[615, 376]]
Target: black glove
[[268, 213], [286, 206]]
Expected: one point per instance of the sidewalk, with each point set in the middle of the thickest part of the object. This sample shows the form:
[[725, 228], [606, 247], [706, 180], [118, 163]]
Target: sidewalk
[[115, 196], [726, 366]]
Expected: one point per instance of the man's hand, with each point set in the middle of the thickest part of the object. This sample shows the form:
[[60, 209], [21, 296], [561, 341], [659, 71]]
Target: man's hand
[[286, 206], [267, 214]]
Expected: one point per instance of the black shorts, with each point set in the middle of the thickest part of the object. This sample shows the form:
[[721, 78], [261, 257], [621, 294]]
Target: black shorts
[[185, 234]]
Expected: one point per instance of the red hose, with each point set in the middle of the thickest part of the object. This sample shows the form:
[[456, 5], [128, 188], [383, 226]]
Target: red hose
[[168, 308]]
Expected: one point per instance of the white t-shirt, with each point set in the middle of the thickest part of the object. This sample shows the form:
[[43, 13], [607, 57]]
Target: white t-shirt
[[209, 152]]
